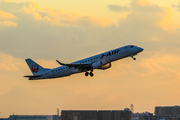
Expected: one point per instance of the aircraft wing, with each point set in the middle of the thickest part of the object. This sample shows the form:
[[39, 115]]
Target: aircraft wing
[[75, 65]]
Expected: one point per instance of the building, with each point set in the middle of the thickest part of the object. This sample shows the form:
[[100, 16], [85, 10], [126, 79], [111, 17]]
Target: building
[[121, 114], [167, 113], [96, 115], [32, 117], [143, 116], [78, 115], [104, 115]]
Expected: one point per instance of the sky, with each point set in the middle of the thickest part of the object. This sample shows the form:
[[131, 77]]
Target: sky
[[70, 30]]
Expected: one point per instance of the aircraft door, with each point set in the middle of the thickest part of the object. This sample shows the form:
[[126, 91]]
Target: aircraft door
[[53, 72], [126, 49]]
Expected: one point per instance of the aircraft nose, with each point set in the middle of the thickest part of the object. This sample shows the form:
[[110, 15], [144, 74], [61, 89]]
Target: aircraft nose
[[140, 49]]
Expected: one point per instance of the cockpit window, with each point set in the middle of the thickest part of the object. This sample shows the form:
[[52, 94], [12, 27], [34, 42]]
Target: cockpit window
[[133, 46]]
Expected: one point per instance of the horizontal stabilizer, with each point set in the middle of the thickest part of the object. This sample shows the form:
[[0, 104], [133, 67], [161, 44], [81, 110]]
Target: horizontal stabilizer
[[33, 76]]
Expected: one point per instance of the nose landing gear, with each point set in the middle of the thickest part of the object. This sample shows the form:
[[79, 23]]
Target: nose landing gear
[[133, 58]]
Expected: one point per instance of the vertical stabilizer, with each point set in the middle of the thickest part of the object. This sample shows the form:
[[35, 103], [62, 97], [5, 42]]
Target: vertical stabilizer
[[35, 68]]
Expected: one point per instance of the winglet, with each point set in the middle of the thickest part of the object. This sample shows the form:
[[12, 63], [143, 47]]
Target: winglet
[[60, 63]]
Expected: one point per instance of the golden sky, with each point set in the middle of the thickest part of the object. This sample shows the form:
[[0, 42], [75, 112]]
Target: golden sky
[[71, 30]]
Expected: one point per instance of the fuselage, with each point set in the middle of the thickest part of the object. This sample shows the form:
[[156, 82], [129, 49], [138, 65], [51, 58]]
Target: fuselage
[[104, 58]]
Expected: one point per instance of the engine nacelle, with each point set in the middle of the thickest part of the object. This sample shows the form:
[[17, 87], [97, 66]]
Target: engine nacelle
[[97, 65], [106, 66]]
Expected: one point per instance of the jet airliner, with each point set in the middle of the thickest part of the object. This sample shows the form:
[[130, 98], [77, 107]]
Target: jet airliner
[[101, 61]]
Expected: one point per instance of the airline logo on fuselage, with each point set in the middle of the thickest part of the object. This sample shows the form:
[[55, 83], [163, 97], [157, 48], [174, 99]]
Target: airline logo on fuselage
[[110, 53], [35, 68]]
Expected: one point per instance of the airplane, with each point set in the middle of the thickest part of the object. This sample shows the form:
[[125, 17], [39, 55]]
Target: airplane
[[101, 61]]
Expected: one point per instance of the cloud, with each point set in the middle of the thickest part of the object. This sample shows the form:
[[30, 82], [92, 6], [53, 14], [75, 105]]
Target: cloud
[[166, 20], [162, 63], [61, 18], [5, 19], [35, 14], [118, 8], [6, 15], [9, 63], [145, 6], [160, 16], [56, 17], [56, 31], [8, 23], [12, 6], [177, 7], [145, 13]]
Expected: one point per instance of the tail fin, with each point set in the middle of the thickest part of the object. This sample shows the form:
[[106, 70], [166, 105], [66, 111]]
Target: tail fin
[[35, 68]]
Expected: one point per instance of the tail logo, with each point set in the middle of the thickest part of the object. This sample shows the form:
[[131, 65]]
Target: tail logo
[[35, 68]]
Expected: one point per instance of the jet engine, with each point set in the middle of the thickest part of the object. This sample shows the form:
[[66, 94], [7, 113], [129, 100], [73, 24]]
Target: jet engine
[[106, 66], [99, 65]]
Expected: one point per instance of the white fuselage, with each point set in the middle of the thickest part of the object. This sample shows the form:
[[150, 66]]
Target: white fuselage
[[106, 57]]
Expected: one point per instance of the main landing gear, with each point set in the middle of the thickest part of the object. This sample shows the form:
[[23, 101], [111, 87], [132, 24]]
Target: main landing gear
[[91, 73]]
